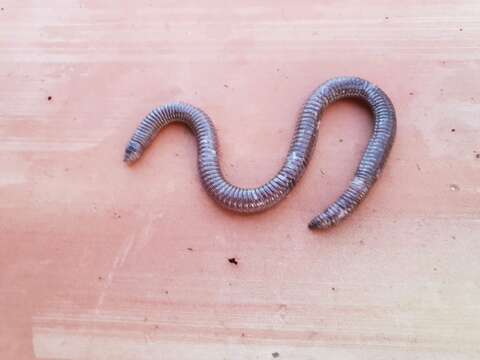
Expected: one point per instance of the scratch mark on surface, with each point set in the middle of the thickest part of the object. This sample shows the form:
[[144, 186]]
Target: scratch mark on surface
[[146, 234], [118, 262]]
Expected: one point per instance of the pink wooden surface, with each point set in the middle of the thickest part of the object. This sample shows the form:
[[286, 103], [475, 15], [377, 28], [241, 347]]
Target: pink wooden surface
[[95, 260]]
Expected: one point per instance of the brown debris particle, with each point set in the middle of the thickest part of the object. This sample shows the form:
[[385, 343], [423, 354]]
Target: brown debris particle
[[454, 187]]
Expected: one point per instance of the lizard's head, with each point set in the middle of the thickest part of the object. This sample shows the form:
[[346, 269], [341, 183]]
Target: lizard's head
[[133, 152]]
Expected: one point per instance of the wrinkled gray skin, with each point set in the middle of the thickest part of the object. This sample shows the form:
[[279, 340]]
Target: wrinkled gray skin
[[250, 200]]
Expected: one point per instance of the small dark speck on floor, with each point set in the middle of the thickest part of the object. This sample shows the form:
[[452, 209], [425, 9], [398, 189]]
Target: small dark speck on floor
[[461, 29], [419, 168], [243, 335], [275, 355], [454, 187], [386, 17], [434, 269], [233, 261], [454, 237], [189, 249], [176, 154], [145, 319], [477, 156], [452, 130], [340, 140], [2, 9], [166, 292], [157, 327], [100, 278], [49, 98], [411, 93], [333, 289], [362, 242], [225, 86]]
